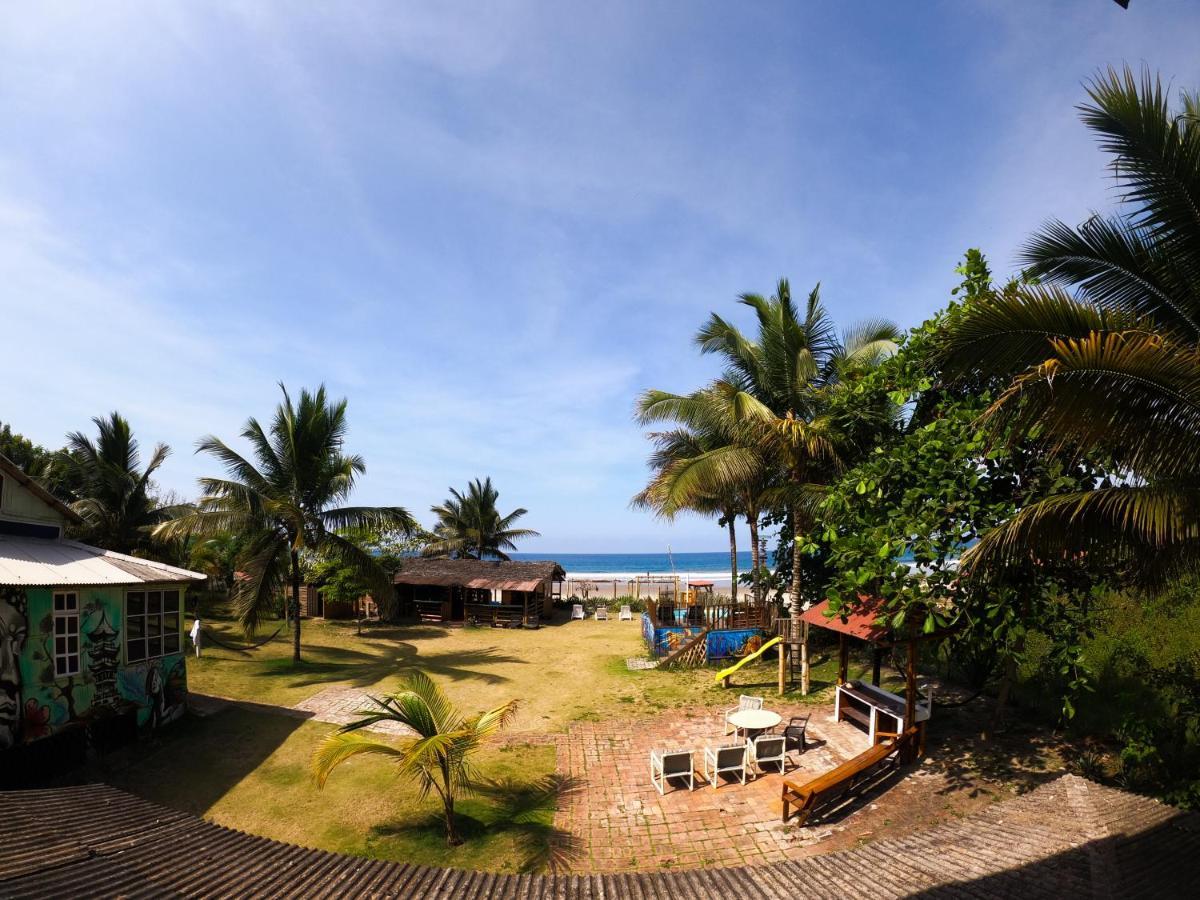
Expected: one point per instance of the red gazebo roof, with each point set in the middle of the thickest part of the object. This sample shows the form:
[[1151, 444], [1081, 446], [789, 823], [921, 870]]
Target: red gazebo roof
[[859, 623]]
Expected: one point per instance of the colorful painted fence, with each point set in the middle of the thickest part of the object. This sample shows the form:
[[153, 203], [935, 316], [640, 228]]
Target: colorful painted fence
[[723, 644]]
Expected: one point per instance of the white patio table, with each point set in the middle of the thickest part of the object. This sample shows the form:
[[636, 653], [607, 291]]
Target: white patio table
[[755, 720]]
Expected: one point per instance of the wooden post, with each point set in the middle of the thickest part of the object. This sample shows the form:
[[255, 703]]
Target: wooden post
[[780, 646], [843, 659], [876, 659], [804, 658], [910, 686]]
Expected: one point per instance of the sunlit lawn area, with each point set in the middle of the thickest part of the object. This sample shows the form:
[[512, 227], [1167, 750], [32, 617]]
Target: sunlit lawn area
[[560, 673], [250, 770]]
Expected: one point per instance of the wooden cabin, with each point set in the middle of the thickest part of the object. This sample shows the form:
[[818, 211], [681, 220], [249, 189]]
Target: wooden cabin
[[493, 592]]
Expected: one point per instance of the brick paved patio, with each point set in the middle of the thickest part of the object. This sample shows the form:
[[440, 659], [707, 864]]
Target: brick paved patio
[[342, 705], [623, 824]]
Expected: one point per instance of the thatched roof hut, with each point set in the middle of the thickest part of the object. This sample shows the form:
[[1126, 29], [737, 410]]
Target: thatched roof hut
[[498, 592]]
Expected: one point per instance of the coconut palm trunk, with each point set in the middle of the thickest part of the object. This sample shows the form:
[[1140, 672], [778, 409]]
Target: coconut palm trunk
[[733, 566], [797, 577], [295, 605], [447, 792], [755, 555]]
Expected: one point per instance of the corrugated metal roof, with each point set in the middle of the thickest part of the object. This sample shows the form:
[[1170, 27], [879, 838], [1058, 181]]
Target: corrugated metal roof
[[1066, 838], [38, 561]]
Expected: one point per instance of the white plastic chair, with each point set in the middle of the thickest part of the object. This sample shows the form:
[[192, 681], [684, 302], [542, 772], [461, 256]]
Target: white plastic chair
[[666, 764], [768, 748], [744, 703], [577, 611], [602, 613], [626, 614], [727, 759]]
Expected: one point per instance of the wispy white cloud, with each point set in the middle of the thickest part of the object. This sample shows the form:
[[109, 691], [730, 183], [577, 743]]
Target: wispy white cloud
[[491, 226]]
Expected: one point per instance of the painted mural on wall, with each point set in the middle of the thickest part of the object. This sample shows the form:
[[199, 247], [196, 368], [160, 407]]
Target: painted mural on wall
[[733, 644], [158, 687], [36, 700], [722, 644], [13, 633], [673, 637]]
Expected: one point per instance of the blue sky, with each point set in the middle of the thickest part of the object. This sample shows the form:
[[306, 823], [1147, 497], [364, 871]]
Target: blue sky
[[492, 225]]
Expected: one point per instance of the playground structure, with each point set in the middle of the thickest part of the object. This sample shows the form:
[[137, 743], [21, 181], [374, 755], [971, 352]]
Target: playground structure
[[696, 627], [725, 674]]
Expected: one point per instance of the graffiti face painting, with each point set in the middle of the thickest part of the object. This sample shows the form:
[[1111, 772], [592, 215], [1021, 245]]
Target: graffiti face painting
[[12, 640]]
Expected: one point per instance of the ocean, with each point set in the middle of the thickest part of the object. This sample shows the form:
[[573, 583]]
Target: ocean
[[713, 566]]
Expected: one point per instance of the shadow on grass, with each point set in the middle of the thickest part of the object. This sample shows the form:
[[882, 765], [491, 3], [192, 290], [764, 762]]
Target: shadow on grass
[[193, 763], [522, 811], [361, 668]]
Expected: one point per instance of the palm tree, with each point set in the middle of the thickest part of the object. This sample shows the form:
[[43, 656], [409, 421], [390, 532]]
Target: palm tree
[[780, 387], [708, 464], [1103, 355], [286, 503], [469, 525], [439, 757], [115, 495]]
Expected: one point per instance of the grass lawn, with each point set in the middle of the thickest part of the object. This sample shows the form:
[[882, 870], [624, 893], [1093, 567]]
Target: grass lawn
[[249, 770], [560, 673]]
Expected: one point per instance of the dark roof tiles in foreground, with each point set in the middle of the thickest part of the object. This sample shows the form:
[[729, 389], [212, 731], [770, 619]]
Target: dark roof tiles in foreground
[[1068, 838]]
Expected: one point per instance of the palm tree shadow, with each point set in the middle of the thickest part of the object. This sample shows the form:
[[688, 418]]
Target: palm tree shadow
[[522, 810], [362, 668]]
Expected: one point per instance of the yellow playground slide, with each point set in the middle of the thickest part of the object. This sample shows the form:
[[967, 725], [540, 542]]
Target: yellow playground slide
[[725, 673]]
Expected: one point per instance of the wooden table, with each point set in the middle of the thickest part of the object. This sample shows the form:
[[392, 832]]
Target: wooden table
[[758, 720]]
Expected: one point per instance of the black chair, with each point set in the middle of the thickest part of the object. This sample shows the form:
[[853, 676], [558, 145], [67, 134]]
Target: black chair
[[793, 733]]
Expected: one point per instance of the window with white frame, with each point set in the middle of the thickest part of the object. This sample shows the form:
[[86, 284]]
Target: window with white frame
[[151, 624], [66, 634]]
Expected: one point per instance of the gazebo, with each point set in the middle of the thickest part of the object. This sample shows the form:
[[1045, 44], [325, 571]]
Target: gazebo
[[876, 709]]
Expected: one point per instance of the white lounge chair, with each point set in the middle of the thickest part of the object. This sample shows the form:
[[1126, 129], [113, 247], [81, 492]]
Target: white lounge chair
[[602, 613], [626, 614], [768, 748], [726, 759], [666, 764], [744, 703], [577, 611]]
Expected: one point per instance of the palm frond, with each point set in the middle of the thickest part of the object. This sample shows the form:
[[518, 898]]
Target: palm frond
[[339, 747]]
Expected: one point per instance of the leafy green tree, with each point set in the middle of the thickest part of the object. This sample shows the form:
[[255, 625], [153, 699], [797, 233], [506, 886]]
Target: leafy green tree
[[217, 557], [439, 757], [286, 502], [33, 459], [1103, 356], [469, 525], [115, 494], [898, 522]]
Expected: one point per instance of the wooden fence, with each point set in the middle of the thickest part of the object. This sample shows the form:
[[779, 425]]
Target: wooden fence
[[714, 614]]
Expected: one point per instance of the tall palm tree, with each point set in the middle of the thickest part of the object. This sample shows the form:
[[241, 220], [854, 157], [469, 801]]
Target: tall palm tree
[[708, 464], [115, 495], [469, 525], [780, 386], [1103, 356], [438, 757], [286, 502]]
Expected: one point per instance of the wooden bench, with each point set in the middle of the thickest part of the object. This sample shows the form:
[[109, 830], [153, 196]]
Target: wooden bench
[[808, 797]]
